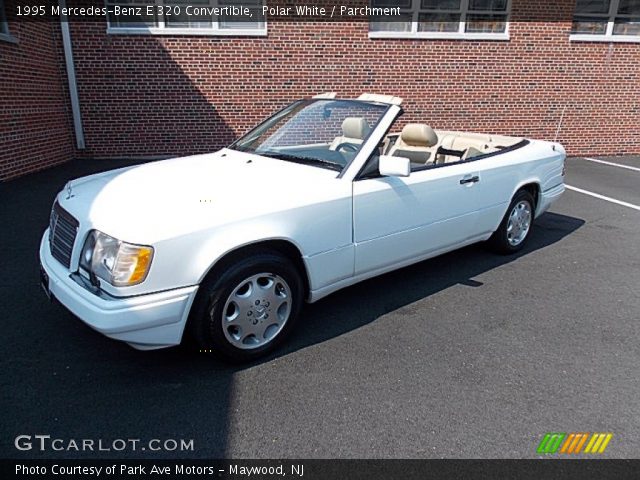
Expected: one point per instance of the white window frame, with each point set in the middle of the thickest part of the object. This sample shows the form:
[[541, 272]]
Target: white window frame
[[214, 30], [608, 36], [461, 34]]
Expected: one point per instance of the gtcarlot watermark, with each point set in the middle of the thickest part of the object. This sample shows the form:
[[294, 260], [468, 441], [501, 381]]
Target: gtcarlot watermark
[[47, 443]]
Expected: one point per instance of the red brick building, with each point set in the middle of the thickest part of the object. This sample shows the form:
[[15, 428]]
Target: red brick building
[[178, 86], [36, 128]]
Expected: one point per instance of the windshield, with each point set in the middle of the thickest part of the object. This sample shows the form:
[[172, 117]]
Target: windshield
[[322, 133]]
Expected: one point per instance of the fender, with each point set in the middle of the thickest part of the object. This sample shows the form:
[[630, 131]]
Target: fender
[[220, 252]]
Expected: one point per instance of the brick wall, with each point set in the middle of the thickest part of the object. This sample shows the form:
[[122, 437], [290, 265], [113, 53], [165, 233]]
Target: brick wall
[[144, 95], [35, 121]]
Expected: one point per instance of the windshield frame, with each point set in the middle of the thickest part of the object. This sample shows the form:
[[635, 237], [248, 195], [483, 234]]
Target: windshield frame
[[341, 169]]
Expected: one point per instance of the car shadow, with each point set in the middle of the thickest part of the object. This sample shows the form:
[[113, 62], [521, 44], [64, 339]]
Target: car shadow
[[363, 303]]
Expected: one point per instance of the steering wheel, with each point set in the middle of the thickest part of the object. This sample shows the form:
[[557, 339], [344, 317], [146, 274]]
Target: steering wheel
[[348, 147]]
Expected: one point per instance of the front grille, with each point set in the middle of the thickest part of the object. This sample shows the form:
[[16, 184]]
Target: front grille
[[63, 229]]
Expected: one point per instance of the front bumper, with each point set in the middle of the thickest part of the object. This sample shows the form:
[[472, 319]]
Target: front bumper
[[145, 322]]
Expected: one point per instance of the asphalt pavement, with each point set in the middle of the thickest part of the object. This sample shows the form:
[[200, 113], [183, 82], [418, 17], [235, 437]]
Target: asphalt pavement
[[469, 355]]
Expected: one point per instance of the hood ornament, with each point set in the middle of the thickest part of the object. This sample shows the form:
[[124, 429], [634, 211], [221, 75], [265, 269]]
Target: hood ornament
[[69, 190]]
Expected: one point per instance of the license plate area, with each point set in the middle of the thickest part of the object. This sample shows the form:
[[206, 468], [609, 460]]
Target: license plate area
[[44, 282]]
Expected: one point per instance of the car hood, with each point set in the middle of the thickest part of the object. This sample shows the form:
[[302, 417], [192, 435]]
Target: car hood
[[169, 198]]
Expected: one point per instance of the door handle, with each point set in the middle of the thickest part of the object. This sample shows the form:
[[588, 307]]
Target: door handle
[[474, 179]]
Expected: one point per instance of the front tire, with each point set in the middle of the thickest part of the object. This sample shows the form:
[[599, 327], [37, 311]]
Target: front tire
[[248, 309], [516, 226]]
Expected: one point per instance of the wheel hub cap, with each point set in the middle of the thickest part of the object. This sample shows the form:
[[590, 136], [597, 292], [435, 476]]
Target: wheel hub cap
[[256, 311], [519, 223]]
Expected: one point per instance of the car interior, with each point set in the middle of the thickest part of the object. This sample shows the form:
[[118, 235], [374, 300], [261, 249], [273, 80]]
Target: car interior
[[354, 131], [421, 144], [425, 146]]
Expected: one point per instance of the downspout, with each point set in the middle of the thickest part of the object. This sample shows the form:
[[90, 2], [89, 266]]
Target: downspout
[[71, 76]]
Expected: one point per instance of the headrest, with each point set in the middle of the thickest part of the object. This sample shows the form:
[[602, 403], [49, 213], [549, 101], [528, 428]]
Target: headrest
[[419, 135], [355, 127]]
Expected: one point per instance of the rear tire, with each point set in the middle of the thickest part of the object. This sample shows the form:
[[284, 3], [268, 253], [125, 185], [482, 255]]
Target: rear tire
[[516, 226], [248, 309]]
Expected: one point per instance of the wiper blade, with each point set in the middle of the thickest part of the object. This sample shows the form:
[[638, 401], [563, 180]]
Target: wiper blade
[[238, 148], [304, 160]]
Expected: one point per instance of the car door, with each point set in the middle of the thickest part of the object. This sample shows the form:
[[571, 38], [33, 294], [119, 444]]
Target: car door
[[500, 174], [397, 219]]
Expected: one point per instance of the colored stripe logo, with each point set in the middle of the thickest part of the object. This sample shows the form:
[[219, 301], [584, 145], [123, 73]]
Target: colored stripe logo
[[573, 443]]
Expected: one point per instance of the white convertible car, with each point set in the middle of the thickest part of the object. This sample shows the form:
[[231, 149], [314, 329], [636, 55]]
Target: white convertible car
[[327, 192]]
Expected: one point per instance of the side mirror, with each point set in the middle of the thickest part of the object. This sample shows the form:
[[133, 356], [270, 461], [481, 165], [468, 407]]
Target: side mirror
[[389, 166]]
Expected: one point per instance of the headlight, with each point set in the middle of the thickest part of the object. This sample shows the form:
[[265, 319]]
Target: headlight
[[119, 263]]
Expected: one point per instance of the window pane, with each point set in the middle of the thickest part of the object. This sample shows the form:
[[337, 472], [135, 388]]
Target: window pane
[[132, 21], [401, 23], [187, 21], [439, 22], [231, 22], [492, 5], [485, 16], [593, 6], [182, 20], [486, 23], [629, 7], [627, 26], [391, 3], [440, 4], [589, 25], [3, 19]]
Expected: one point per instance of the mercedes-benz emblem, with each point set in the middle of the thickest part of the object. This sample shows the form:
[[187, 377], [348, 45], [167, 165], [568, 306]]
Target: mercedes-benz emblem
[[69, 191]]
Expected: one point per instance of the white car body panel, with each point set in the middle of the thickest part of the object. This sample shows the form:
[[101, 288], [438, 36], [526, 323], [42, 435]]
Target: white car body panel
[[177, 204], [195, 210], [427, 211]]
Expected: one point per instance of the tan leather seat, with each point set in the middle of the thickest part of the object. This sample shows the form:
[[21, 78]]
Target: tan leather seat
[[417, 142], [469, 145], [473, 152], [354, 131]]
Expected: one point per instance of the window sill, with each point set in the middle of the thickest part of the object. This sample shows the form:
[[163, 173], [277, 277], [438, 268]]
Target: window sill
[[7, 37], [186, 31], [605, 38], [501, 37]]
